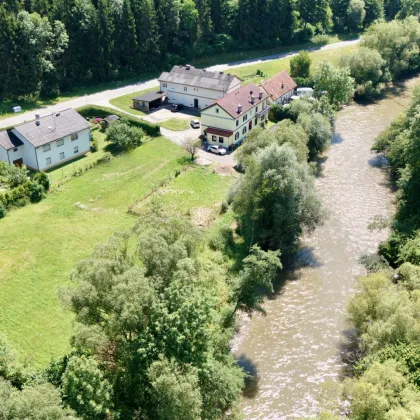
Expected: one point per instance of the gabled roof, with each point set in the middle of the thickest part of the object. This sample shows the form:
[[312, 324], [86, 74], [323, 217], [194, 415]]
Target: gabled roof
[[52, 127], [112, 118], [278, 85], [191, 76], [8, 140], [240, 96]]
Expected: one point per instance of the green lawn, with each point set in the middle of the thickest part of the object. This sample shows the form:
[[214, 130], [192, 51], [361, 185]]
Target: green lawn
[[270, 68], [195, 189], [125, 102], [41, 243], [176, 124]]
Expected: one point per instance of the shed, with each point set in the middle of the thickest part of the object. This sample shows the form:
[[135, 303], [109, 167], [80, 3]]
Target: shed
[[107, 121], [149, 100]]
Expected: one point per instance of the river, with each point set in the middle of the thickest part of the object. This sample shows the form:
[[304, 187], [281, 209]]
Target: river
[[298, 344]]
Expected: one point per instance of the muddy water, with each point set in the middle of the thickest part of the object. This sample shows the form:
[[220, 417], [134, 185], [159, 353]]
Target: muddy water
[[298, 344]]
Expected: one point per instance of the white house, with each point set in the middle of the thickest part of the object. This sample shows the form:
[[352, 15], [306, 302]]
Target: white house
[[228, 121], [279, 88], [196, 88], [46, 142]]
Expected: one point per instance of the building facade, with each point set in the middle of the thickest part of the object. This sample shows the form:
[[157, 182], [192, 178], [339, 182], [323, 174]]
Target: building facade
[[229, 120], [279, 88], [48, 141], [196, 88]]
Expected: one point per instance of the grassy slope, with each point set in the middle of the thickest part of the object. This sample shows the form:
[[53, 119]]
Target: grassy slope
[[41, 243]]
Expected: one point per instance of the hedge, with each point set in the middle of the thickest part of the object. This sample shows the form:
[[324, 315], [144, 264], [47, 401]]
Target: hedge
[[98, 111]]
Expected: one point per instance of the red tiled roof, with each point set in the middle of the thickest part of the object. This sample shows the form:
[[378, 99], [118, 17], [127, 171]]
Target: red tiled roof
[[218, 132], [278, 85], [240, 96]]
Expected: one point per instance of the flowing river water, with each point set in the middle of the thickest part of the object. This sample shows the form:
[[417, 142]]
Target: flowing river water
[[299, 343]]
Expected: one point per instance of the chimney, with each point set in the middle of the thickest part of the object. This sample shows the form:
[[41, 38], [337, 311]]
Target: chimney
[[239, 108], [37, 120], [282, 85], [252, 99], [260, 95]]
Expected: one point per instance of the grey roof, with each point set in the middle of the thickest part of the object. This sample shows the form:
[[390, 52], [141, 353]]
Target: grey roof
[[111, 118], [150, 96], [52, 127], [191, 76], [8, 140]]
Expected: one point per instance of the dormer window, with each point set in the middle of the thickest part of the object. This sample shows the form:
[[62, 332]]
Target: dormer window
[[217, 110]]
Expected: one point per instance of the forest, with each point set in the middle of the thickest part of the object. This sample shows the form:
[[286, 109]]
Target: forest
[[49, 46]]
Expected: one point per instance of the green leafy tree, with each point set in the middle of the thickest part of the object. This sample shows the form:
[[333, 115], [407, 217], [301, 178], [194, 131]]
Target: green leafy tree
[[336, 82], [275, 201], [124, 136], [316, 12], [85, 388], [176, 391], [260, 269], [300, 65], [356, 14], [319, 132], [374, 11], [128, 43]]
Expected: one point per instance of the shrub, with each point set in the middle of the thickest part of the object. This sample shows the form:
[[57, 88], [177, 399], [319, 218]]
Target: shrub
[[94, 146], [279, 112], [124, 136], [300, 65], [321, 39], [2, 210], [36, 192], [221, 239], [43, 179], [97, 111]]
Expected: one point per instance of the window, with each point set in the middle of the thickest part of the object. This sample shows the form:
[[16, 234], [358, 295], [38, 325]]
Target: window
[[60, 142], [15, 149], [217, 110], [164, 85], [220, 139], [48, 161], [185, 88], [237, 136], [237, 123], [62, 155], [256, 121], [244, 130], [76, 149], [245, 117], [256, 109], [46, 147], [74, 137], [213, 138]]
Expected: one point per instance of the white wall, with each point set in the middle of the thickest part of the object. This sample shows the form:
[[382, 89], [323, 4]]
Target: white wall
[[29, 156], [3, 155], [177, 95], [83, 144], [18, 154]]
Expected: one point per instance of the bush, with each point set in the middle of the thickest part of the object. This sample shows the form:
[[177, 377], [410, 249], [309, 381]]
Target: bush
[[221, 239], [124, 136], [2, 210], [94, 146], [36, 192], [97, 111], [321, 39], [43, 179], [304, 81], [278, 113]]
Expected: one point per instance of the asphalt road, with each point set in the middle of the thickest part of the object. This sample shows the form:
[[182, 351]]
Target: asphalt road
[[102, 98]]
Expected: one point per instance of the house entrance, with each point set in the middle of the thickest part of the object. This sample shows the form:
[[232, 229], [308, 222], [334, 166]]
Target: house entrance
[[250, 125], [195, 103], [18, 162]]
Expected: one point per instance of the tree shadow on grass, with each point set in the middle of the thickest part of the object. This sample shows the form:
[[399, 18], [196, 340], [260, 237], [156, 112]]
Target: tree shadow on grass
[[252, 379]]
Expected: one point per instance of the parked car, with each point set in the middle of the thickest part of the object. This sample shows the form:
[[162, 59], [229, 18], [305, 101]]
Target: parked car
[[195, 124], [176, 107], [219, 150]]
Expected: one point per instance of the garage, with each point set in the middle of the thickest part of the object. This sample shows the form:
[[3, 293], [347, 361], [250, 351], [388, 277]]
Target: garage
[[149, 101]]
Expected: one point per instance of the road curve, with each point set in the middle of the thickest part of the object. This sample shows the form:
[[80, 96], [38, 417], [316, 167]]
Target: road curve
[[103, 98]]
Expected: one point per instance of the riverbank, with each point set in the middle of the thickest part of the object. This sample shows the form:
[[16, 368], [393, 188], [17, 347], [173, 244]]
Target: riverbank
[[300, 342]]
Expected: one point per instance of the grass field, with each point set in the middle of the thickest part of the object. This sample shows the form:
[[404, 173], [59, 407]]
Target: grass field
[[41, 243], [176, 124], [125, 102], [270, 68]]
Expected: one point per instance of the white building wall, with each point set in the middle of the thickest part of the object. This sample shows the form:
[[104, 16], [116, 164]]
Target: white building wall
[[3, 155], [16, 153], [29, 155], [68, 148]]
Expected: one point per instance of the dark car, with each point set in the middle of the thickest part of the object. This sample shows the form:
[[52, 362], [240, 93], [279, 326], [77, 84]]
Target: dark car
[[176, 107]]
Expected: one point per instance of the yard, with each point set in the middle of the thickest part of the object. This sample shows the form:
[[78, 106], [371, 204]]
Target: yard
[[41, 243], [176, 124], [125, 102]]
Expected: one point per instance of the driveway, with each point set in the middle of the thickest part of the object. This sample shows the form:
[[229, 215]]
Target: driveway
[[164, 113], [178, 136], [102, 98]]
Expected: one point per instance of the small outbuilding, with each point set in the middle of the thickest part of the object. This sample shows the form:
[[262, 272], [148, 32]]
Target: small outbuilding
[[107, 121], [149, 100]]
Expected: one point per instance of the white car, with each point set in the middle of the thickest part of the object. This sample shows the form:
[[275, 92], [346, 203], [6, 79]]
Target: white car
[[195, 124], [219, 150]]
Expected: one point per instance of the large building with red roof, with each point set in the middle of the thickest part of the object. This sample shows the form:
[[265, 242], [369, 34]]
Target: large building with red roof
[[228, 120]]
